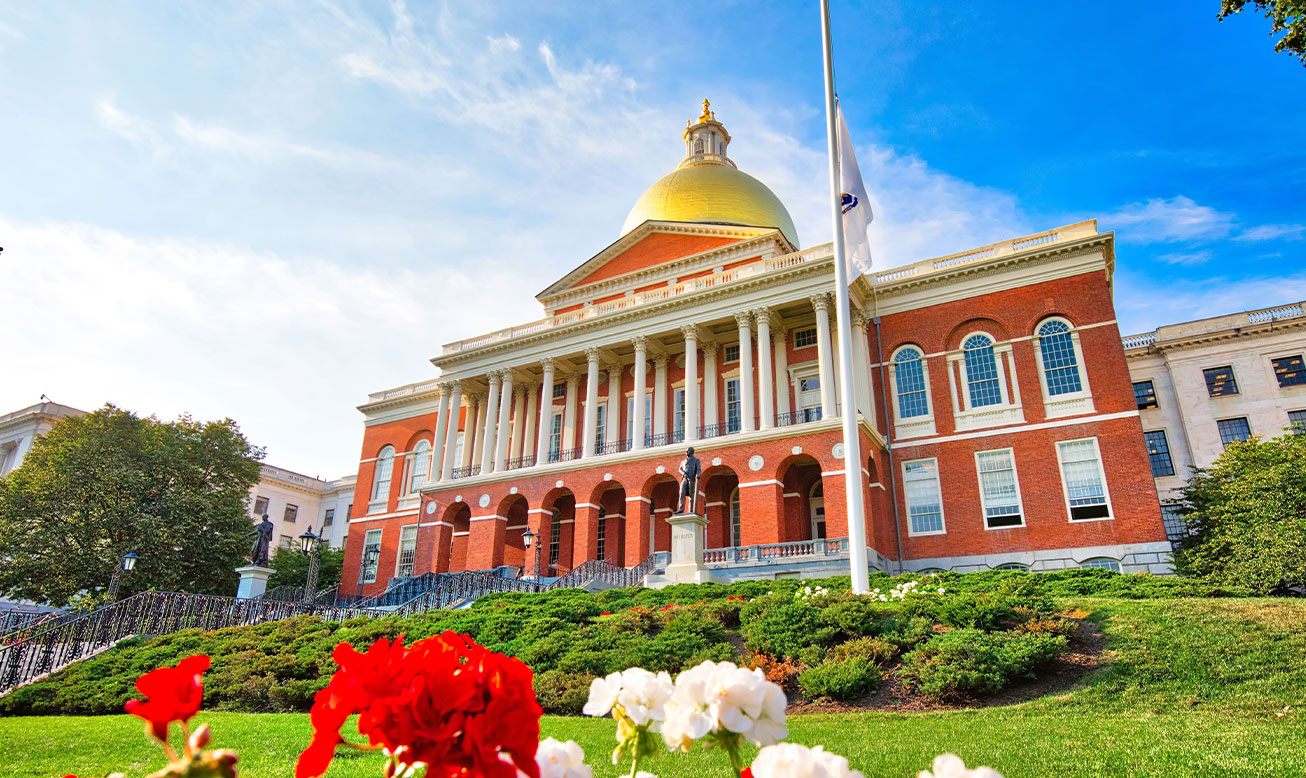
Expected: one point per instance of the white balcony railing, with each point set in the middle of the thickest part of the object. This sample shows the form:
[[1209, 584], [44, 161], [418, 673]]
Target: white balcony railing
[[771, 552]]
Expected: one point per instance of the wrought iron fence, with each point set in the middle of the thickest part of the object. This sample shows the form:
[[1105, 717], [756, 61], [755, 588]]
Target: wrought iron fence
[[520, 462], [800, 416], [615, 447], [17, 620], [466, 472], [42, 649]]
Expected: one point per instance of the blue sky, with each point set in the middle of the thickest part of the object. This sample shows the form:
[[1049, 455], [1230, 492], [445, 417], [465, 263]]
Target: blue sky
[[267, 210]]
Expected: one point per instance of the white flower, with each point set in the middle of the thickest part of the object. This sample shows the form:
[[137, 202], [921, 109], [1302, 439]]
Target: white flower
[[940, 590], [724, 698], [603, 695], [951, 766], [561, 760], [790, 760], [644, 694]]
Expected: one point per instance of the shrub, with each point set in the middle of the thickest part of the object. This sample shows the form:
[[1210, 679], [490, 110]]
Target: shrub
[[777, 671], [965, 662], [855, 616], [782, 626], [841, 680], [877, 651], [561, 692]]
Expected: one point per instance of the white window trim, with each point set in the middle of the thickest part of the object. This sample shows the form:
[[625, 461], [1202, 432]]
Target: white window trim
[[1020, 497], [1086, 566], [938, 482], [1071, 403], [1101, 472], [915, 426], [399, 549], [1008, 411], [813, 344], [725, 361], [378, 504], [363, 559]]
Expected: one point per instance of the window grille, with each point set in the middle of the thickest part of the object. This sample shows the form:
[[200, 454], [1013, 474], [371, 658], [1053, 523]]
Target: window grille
[[1290, 371], [805, 338], [1233, 430], [603, 534], [1220, 381], [260, 506], [407, 551], [1081, 473], [329, 518], [1297, 421], [731, 353], [982, 372], [1104, 563], [385, 463], [999, 491], [291, 513], [1145, 395], [909, 375], [555, 538], [1060, 364], [1158, 453], [371, 554], [733, 417], [924, 501]]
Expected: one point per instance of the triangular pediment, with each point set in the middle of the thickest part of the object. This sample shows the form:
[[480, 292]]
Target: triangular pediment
[[648, 246]]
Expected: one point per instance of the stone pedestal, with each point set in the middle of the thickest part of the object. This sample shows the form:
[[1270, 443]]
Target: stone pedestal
[[254, 581], [686, 550]]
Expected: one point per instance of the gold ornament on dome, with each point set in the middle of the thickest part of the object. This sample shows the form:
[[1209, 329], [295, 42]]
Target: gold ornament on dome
[[707, 115]]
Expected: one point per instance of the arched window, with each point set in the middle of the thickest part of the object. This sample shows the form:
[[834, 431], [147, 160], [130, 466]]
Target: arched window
[[419, 465], [1106, 563], [909, 376], [734, 518], [385, 465], [1056, 346], [1012, 566], [698, 145], [982, 381]]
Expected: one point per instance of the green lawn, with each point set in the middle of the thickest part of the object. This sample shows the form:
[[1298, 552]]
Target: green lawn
[[1192, 690]]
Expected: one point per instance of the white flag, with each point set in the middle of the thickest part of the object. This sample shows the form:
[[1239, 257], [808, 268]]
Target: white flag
[[856, 206]]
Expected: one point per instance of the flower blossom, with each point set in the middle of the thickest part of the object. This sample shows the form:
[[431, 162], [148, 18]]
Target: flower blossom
[[640, 694], [790, 760], [725, 701], [951, 766], [444, 702], [561, 760], [174, 694]]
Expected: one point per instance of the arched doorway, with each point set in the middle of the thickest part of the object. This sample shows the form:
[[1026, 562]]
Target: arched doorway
[[804, 499], [816, 511], [610, 496], [459, 515], [661, 491], [514, 509], [558, 531], [720, 503]]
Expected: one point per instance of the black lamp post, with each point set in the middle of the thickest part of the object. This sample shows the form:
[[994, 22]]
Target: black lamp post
[[369, 557], [528, 540], [310, 544], [124, 565]]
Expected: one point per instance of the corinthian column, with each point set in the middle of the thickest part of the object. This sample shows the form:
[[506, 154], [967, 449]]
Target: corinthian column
[[590, 429], [691, 381], [451, 433], [745, 321], [824, 357], [710, 416], [546, 413], [433, 473], [641, 380], [505, 411], [765, 378], [488, 437]]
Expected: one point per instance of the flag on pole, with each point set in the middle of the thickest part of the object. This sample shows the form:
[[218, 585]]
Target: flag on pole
[[856, 206]]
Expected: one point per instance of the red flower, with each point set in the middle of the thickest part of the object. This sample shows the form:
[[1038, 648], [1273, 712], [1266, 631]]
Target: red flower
[[747, 773], [604, 613], [174, 694], [444, 701]]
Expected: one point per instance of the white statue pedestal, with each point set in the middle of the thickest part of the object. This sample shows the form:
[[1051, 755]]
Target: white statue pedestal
[[686, 551], [253, 581]]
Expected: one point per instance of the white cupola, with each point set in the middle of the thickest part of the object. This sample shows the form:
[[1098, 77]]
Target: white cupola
[[706, 140]]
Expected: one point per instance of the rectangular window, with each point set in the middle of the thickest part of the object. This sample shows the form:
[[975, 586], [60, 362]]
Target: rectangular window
[[1290, 371], [555, 539], [292, 513], [809, 398], [1220, 381], [1158, 453], [260, 506], [678, 423], [731, 353], [555, 437], [603, 534], [1172, 516], [733, 418], [285, 541], [1144, 395], [999, 490], [920, 480], [1233, 430], [371, 554], [805, 338], [407, 551], [600, 426], [560, 390], [648, 417], [329, 518], [1083, 479], [1297, 421], [349, 511]]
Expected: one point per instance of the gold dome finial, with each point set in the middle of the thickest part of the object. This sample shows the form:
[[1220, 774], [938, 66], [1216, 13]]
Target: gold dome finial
[[707, 115]]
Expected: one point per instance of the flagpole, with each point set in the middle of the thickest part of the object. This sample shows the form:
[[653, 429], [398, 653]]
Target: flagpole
[[852, 458]]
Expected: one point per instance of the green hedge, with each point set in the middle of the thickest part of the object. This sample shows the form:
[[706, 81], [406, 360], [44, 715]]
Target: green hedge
[[567, 639]]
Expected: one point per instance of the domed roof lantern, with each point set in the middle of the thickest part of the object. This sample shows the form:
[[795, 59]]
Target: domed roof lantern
[[706, 140]]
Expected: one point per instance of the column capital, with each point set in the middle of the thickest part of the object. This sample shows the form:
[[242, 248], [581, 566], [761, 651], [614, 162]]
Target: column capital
[[593, 354], [449, 387], [547, 364], [690, 331], [494, 376], [660, 360], [744, 318], [571, 377], [613, 367], [709, 347], [858, 318], [641, 343], [821, 302]]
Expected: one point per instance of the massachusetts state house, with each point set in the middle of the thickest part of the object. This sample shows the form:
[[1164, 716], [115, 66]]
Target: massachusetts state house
[[997, 417]]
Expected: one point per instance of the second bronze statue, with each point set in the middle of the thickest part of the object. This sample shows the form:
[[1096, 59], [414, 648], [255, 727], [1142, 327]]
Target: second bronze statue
[[690, 470]]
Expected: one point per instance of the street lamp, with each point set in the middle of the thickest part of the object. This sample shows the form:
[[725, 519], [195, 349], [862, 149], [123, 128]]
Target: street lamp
[[528, 540], [309, 544], [124, 565]]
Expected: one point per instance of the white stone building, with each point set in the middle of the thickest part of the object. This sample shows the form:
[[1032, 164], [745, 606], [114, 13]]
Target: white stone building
[[1202, 384], [20, 428], [296, 502]]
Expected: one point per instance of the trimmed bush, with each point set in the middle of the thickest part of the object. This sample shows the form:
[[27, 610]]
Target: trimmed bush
[[561, 692], [964, 663], [877, 651], [840, 680]]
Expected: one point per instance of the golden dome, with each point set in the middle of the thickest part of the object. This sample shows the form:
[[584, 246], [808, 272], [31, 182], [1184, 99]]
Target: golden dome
[[707, 188]]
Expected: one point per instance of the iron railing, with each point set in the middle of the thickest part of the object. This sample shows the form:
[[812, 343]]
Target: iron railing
[[801, 416], [615, 447], [18, 620], [520, 462], [43, 649], [466, 472]]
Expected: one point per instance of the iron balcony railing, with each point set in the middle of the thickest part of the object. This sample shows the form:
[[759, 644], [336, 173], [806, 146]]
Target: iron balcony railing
[[466, 472], [614, 447], [520, 462], [566, 454], [801, 416]]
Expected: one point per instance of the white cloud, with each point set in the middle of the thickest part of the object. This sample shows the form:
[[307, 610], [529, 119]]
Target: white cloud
[[127, 126], [1144, 302], [286, 346], [1186, 258], [1168, 220], [270, 148], [1274, 232]]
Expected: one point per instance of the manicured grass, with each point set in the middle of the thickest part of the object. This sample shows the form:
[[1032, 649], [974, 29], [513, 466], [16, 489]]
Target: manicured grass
[[1192, 690]]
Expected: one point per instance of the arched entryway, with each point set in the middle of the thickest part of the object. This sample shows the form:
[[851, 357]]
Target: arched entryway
[[610, 525], [557, 531], [661, 491], [514, 509], [804, 499], [459, 515], [720, 503]]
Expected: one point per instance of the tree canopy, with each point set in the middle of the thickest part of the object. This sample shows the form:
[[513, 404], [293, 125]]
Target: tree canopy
[[100, 485], [1247, 515], [291, 567], [1286, 16]]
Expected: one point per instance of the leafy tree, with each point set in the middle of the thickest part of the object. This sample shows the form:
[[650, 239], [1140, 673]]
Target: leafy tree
[[109, 482], [292, 567], [1286, 16], [1247, 515]]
